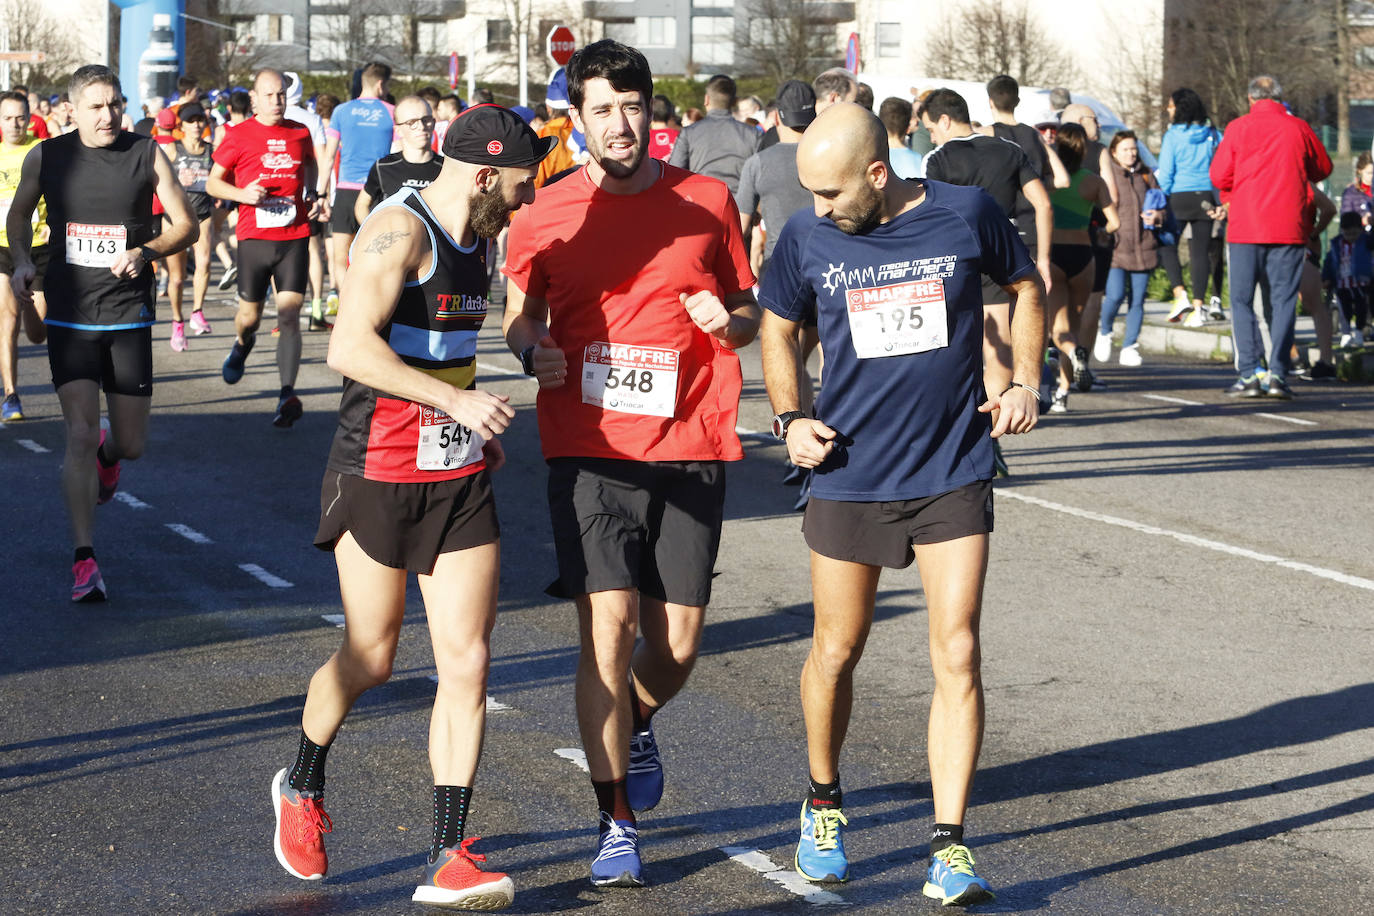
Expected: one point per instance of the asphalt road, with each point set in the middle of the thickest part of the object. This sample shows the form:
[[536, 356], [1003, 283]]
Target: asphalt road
[[1177, 637]]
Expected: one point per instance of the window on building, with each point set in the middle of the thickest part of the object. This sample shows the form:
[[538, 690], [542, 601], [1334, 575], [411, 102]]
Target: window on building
[[431, 36], [657, 31], [712, 4], [328, 37], [713, 41], [889, 39], [499, 34], [276, 27], [245, 31]]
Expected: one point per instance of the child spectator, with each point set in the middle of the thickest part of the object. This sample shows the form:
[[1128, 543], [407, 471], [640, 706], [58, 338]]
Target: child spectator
[[1349, 270]]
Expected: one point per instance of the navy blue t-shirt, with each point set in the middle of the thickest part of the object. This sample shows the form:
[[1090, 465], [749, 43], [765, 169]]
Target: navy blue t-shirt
[[900, 310]]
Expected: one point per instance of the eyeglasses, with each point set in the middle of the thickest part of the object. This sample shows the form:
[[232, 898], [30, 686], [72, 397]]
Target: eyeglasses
[[413, 123]]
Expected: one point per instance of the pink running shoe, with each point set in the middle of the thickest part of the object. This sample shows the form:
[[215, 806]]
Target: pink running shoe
[[108, 477], [87, 585], [198, 323], [178, 340]]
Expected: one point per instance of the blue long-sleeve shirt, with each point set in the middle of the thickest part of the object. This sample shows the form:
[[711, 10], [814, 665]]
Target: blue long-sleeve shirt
[[1185, 156]]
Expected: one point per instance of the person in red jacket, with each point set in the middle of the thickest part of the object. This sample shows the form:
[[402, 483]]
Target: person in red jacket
[[1264, 169]]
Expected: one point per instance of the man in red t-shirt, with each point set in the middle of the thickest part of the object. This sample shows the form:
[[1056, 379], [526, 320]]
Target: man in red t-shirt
[[630, 278], [267, 166]]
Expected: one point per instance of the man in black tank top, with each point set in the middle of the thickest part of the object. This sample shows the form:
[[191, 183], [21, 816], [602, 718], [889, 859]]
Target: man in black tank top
[[99, 184], [407, 487]]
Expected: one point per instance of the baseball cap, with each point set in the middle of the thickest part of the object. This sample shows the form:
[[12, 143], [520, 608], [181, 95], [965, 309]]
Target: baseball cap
[[167, 119], [557, 96], [796, 104], [191, 111], [493, 135]]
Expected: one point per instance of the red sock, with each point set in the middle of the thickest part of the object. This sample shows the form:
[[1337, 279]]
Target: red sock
[[612, 800], [640, 712]]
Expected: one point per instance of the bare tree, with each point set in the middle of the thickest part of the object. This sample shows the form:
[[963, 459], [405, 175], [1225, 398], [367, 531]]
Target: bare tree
[[784, 41], [988, 37], [32, 28], [1135, 84]]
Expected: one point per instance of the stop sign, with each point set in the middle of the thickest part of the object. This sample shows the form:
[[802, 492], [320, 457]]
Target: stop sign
[[561, 45]]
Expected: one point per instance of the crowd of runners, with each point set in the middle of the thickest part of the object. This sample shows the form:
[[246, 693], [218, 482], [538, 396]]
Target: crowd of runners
[[929, 284]]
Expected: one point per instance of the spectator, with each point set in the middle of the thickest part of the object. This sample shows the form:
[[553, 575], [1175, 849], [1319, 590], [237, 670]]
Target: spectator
[[895, 114], [749, 108], [1184, 157], [1358, 196], [1348, 271], [560, 125], [662, 135], [718, 145], [863, 96], [1135, 255], [834, 85], [1264, 168]]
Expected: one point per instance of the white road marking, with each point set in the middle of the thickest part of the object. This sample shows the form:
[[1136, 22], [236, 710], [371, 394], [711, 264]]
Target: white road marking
[[1168, 400], [130, 500], [499, 370], [263, 576], [786, 877], [336, 619], [1279, 416], [576, 755], [191, 534], [492, 705], [1194, 540], [32, 446]]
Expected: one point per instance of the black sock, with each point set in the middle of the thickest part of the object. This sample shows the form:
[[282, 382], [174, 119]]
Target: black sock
[[640, 712], [103, 458], [308, 773], [83, 553], [946, 835], [612, 800], [286, 392], [826, 794], [450, 817]]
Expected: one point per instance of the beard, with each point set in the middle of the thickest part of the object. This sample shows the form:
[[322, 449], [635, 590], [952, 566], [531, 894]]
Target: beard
[[615, 167], [488, 213], [867, 217]]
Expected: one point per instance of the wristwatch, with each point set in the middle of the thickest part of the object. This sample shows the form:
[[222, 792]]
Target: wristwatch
[[784, 420], [527, 360], [147, 255]]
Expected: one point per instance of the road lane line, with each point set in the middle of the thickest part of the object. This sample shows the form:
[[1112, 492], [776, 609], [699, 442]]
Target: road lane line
[[1279, 416], [335, 619], [263, 576], [575, 754], [492, 705], [191, 534], [32, 446], [130, 500], [787, 878], [500, 370], [1168, 400], [1193, 540]]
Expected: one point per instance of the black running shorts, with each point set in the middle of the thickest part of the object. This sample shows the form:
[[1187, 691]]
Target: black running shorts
[[649, 525], [120, 362], [407, 525], [341, 218], [881, 534], [39, 256], [263, 262]]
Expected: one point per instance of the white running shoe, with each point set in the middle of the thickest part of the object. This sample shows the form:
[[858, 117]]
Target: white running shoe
[[1130, 356], [1102, 349], [1196, 320], [1181, 305]]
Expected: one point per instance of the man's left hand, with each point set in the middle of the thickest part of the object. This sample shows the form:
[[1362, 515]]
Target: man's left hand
[[707, 312], [1018, 410]]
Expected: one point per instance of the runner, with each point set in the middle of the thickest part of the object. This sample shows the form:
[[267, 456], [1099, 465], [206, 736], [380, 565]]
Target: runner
[[295, 112], [360, 132], [267, 165], [191, 161], [411, 491], [900, 445], [99, 184], [15, 143], [414, 165], [240, 109], [648, 311]]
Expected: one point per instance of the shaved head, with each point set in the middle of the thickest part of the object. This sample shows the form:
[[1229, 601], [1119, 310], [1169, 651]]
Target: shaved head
[[842, 161]]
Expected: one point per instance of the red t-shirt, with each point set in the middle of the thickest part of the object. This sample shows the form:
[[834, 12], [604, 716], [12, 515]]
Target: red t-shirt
[[276, 156], [38, 127], [661, 140], [644, 383]]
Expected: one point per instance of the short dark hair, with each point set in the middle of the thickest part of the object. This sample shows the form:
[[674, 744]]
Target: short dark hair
[[1351, 220], [624, 67], [375, 71], [240, 102], [1071, 143], [90, 75], [186, 84], [661, 109], [721, 92], [1188, 107], [1361, 160], [483, 96], [14, 95], [863, 96], [895, 114], [1004, 93], [945, 102], [837, 80], [430, 95]]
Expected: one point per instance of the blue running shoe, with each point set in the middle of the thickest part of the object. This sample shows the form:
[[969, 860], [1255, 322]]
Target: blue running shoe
[[820, 852], [232, 370], [617, 855], [644, 778], [951, 879], [11, 409]]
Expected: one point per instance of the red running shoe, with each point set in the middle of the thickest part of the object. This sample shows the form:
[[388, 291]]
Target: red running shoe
[[301, 825], [453, 880], [108, 477], [86, 582]]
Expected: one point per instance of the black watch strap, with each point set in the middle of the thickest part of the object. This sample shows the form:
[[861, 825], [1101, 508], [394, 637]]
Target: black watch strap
[[782, 421], [527, 360]]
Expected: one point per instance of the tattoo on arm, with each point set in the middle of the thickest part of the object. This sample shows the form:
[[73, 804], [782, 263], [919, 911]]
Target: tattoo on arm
[[384, 241]]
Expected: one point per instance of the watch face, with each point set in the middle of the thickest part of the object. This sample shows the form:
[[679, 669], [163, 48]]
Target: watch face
[[777, 427]]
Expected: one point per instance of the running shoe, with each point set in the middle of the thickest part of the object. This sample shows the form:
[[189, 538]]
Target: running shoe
[[230, 275], [1060, 404], [198, 323], [1214, 311], [644, 779], [289, 410], [331, 304], [232, 370], [107, 478], [11, 409], [301, 826], [951, 879], [1247, 386], [1082, 375], [178, 341], [1196, 320], [1278, 389], [1130, 356], [1181, 305], [999, 461], [318, 324], [1102, 348], [820, 851], [454, 881], [87, 586], [1320, 372], [617, 855]]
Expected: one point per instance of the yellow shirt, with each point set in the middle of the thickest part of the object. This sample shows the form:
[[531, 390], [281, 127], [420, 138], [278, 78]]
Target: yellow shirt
[[11, 161]]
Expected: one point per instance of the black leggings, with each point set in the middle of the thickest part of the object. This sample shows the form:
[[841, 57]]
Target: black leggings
[[1202, 249], [1354, 305]]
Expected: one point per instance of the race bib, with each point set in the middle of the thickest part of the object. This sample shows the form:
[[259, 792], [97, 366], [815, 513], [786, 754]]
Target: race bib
[[91, 245], [897, 320], [630, 379], [445, 444], [276, 212]]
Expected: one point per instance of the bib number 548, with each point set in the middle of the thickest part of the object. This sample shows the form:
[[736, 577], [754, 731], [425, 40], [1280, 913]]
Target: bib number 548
[[631, 380]]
